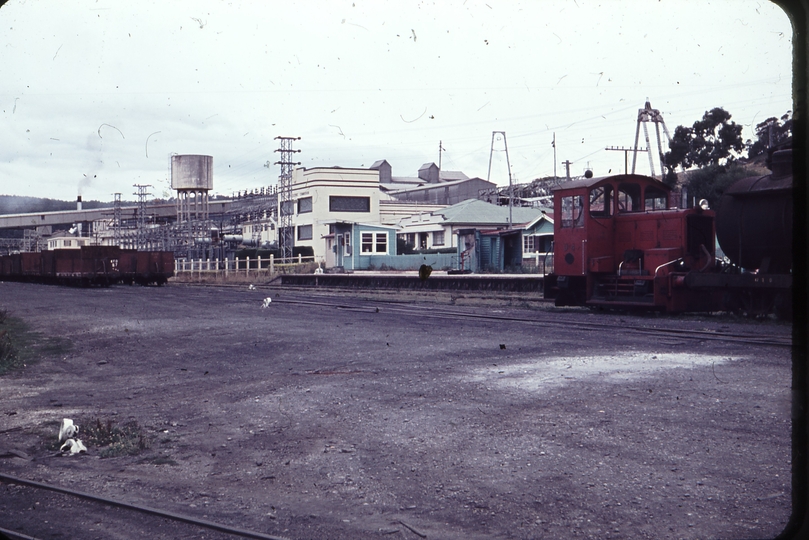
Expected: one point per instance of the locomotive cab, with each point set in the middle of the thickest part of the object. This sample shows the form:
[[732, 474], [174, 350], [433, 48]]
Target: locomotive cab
[[618, 243]]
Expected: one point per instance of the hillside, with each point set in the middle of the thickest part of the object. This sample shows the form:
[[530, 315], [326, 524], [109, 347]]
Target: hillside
[[15, 204]]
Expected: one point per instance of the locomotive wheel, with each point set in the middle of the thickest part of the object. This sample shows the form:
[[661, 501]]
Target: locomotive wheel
[[782, 306], [758, 304]]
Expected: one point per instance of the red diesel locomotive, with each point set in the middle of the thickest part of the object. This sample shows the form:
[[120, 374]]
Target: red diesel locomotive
[[620, 243]]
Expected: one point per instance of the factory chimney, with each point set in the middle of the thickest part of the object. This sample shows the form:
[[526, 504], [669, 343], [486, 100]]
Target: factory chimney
[[78, 203]]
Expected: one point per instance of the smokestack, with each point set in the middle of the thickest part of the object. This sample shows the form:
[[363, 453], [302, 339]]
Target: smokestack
[[78, 203]]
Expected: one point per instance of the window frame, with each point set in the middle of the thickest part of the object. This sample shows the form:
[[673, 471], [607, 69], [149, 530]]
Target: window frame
[[657, 194], [383, 242], [366, 243], [624, 195], [439, 238], [304, 205], [604, 193], [572, 214], [302, 229], [528, 243], [336, 200]]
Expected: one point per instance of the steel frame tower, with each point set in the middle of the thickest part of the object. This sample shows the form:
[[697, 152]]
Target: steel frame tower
[[116, 220], [508, 165], [142, 193], [286, 238], [645, 115]]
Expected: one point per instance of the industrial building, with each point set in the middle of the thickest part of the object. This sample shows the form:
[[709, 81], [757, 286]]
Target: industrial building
[[343, 218]]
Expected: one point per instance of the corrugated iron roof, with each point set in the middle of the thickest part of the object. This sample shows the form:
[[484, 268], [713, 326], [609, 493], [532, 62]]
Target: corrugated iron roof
[[478, 212]]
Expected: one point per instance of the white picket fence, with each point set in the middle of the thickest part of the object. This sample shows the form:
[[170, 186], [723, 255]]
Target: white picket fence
[[237, 266]]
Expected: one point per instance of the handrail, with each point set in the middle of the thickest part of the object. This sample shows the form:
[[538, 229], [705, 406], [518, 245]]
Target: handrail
[[666, 264]]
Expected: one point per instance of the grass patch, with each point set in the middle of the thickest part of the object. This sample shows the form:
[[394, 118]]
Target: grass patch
[[113, 440], [102, 437], [20, 345]]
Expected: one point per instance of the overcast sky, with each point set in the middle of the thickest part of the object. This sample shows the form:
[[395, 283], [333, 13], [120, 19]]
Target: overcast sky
[[96, 95]]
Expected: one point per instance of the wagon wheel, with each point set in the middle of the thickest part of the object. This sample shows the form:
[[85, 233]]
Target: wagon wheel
[[758, 304]]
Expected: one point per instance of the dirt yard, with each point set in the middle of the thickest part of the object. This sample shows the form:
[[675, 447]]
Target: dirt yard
[[330, 417]]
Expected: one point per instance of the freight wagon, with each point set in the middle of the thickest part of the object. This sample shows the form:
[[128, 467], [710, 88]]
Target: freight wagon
[[88, 266]]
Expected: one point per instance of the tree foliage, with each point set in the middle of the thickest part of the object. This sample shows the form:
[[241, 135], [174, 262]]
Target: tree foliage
[[713, 140], [771, 132], [710, 182]]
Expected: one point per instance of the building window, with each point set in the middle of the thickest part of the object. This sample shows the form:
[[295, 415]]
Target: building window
[[347, 244], [367, 242], [286, 208], [349, 204], [527, 244], [374, 243], [438, 238], [304, 232], [305, 205], [381, 243], [67, 243]]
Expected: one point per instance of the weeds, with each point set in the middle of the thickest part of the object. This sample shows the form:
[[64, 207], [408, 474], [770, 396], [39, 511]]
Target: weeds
[[19, 345], [9, 356], [113, 440]]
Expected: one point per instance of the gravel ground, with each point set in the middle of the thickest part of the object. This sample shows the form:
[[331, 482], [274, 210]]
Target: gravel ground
[[306, 419]]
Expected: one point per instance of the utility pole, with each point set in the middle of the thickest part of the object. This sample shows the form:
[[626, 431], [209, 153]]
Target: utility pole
[[567, 163], [626, 154], [440, 151], [286, 238], [508, 165], [555, 180]]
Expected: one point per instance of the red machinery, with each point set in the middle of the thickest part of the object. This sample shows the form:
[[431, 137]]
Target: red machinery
[[618, 243]]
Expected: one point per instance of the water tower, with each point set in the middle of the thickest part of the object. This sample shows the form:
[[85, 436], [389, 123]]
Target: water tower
[[192, 177]]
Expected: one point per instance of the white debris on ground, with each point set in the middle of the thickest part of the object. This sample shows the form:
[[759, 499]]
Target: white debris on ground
[[71, 446], [252, 287], [67, 430], [266, 302]]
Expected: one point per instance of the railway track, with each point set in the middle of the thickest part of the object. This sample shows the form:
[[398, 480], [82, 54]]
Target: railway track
[[158, 524], [545, 319]]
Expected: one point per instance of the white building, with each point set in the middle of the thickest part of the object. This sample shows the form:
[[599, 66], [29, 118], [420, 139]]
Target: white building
[[65, 240], [322, 196]]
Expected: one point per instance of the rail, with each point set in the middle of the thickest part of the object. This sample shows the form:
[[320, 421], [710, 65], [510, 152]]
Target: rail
[[246, 266]]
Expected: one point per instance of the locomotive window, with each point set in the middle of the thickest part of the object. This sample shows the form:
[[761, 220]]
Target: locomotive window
[[601, 201], [629, 198], [655, 199], [572, 211]]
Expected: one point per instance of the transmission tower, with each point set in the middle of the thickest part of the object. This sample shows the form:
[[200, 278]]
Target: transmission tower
[[142, 193], [116, 220], [508, 165], [646, 115], [286, 237]]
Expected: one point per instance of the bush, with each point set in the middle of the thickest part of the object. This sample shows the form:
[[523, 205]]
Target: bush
[[710, 182], [113, 440]]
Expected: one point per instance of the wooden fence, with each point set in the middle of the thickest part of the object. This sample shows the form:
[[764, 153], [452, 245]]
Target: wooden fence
[[243, 267]]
